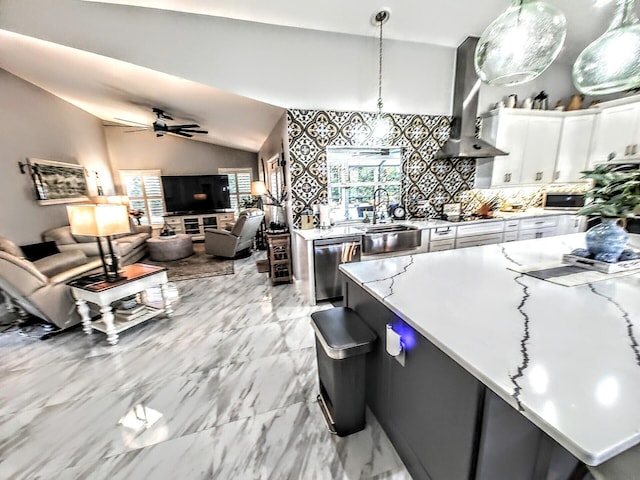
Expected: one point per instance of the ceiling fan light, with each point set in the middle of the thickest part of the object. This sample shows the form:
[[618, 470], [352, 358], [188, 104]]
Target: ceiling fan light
[[611, 63], [520, 44]]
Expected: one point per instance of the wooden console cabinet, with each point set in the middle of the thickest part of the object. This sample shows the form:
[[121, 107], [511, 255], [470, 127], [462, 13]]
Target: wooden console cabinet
[[279, 255], [194, 225]]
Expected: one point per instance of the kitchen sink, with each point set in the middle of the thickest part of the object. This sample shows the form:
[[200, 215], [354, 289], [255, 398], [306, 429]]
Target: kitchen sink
[[389, 238]]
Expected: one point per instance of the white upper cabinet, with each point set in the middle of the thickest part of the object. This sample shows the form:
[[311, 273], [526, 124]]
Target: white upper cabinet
[[575, 143], [531, 139], [507, 133], [549, 146], [541, 150], [617, 131]]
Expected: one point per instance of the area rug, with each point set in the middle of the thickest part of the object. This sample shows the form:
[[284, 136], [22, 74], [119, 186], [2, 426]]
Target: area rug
[[198, 265]]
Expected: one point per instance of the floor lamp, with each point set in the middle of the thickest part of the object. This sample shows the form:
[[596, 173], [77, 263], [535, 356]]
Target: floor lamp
[[259, 189], [101, 221]]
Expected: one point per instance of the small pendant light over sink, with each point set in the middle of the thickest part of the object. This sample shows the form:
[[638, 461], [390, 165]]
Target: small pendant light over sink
[[611, 63], [382, 125], [521, 43]]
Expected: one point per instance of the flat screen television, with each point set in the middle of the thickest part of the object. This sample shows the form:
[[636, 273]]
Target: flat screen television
[[185, 194]]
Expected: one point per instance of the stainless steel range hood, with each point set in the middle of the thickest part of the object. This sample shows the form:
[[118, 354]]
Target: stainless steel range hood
[[462, 142]]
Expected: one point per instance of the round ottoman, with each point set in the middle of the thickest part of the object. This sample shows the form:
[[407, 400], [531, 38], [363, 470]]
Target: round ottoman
[[174, 247]]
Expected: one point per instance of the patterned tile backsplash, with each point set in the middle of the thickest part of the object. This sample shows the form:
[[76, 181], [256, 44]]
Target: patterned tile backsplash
[[425, 180], [427, 183]]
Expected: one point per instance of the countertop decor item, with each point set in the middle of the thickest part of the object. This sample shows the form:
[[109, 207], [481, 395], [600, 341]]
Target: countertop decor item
[[614, 196], [610, 63], [541, 101], [575, 103], [520, 44]]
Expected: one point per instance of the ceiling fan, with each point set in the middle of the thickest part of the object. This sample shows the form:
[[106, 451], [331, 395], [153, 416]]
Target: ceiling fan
[[160, 127]]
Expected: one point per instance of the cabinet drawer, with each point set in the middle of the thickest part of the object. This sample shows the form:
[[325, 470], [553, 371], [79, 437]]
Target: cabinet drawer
[[478, 240], [480, 229], [538, 222], [225, 217], [173, 221], [510, 236], [442, 233], [439, 245], [511, 225], [537, 233]]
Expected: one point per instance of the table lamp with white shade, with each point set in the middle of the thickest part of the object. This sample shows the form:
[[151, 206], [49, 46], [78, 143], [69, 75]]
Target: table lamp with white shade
[[99, 221]]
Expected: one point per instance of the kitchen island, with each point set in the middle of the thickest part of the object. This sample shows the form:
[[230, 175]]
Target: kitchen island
[[497, 362]]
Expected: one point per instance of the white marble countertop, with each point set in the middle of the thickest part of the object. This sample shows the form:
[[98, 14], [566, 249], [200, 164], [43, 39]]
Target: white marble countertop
[[354, 228], [566, 357]]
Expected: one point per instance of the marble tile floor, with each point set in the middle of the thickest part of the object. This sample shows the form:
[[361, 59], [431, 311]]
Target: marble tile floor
[[224, 390]]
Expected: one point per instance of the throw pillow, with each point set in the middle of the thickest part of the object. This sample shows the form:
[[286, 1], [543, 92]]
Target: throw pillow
[[36, 251]]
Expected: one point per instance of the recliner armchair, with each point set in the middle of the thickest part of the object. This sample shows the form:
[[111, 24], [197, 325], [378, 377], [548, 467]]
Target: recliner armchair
[[48, 298], [222, 243]]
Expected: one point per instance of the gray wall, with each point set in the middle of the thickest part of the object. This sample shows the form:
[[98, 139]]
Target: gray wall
[[173, 155], [37, 124]]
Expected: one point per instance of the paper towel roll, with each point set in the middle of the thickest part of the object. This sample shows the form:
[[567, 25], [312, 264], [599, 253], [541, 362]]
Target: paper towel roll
[[325, 216]]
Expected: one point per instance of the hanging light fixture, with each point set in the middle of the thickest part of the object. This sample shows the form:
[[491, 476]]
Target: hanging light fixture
[[520, 44], [611, 63], [382, 125]]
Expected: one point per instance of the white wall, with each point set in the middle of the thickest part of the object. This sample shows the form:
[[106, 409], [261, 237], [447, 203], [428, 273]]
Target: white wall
[[34, 123], [289, 67], [173, 155], [555, 81]]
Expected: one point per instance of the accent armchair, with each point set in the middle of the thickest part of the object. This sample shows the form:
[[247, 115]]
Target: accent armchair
[[222, 243]]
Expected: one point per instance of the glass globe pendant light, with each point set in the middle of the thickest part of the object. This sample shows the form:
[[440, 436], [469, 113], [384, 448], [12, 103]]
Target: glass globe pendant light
[[612, 62], [520, 44]]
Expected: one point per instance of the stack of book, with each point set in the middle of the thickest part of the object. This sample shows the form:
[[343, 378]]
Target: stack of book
[[128, 314]]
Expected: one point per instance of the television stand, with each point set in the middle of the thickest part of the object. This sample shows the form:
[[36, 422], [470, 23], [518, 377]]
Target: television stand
[[195, 224]]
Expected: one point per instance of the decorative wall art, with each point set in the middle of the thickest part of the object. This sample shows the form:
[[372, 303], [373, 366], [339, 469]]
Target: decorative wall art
[[427, 183], [58, 182]]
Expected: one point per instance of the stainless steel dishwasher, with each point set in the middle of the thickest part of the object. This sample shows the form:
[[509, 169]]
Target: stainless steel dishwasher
[[327, 256]]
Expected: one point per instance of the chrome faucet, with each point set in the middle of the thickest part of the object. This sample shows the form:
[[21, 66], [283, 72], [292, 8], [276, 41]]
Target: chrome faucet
[[377, 204]]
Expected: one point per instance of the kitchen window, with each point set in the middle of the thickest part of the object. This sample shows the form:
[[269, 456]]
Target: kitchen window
[[144, 189], [239, 186], [355, 173]]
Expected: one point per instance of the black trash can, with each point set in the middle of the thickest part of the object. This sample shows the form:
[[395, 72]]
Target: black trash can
[[342, 341]]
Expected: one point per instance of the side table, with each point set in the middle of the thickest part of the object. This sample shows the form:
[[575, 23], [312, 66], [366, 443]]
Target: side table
[[138, 277], [279, 255]]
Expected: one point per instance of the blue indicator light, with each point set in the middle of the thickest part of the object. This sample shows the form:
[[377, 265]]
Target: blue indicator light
[[406, 333]]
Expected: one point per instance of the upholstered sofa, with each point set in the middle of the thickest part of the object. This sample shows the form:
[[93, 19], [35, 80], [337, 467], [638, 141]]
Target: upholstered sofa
[[129, 247], [39, 287]]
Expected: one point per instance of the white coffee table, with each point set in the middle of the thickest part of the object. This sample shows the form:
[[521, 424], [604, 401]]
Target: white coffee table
[[138, 277]]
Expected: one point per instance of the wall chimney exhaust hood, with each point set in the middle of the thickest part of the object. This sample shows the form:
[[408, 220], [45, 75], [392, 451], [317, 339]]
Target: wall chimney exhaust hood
[[462, 142]]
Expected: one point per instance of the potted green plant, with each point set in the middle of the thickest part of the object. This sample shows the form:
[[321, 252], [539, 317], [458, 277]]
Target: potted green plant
[[614, 196]]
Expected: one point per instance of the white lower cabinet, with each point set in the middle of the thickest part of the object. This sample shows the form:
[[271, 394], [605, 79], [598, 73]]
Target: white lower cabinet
[[479, 234], [537, 233], [476, 241], [538, 227], [510, 236], [439, 245], [571, 224], [511, 230], [442, 238]]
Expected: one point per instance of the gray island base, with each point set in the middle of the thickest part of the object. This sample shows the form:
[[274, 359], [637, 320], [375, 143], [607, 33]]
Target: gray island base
[[506, 376]]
